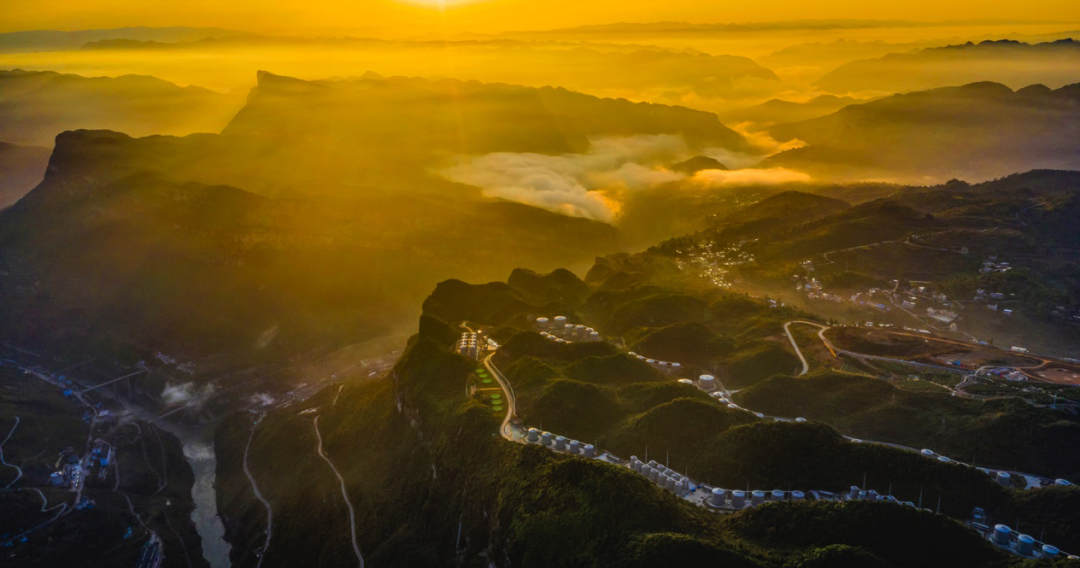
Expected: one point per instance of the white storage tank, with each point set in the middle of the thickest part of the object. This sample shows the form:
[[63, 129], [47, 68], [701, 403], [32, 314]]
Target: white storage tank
[[800, 420], [589, 451], [1004, 478], [854, 492], [542, 323], [560, 443], [675, 368], [1062, 482], [669, 483], [579, 330], [1025, 545], [568, 330], [560, 321], [738, 499], [797, 496], [651, 361], [534, 434], [943, 459], [575, 446], [1001, 535], [777, 495], [594, 336], [757, 497], [686, 382], [1050, 552], [545, 438], [863, 495], [872, 496], [707, 383], [926, 452], [718, 497]]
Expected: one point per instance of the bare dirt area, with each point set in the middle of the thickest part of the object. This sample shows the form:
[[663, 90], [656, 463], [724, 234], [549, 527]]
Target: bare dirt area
[[980, 355], [869, 341], [926, 349], [1058, 373]]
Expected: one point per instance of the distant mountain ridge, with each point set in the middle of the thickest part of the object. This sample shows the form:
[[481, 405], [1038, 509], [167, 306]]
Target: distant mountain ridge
[[1010, 62], [35, 106], [488, 115], [56, 40], [777, 111], [978, 131]]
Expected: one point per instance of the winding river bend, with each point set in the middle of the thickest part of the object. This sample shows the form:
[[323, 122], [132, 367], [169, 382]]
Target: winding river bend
[[199, 452], [198, 446]]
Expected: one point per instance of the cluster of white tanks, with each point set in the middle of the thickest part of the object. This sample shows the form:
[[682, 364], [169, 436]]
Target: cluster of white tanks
[[1024, 545], [666, 367], [562, 331], [560, 443], [663, 476], [739, 499]]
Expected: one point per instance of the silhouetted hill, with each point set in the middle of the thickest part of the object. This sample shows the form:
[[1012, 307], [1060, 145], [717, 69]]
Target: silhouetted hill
[[381, 115], [1011, 62], [37, 106], [205, 265], [783, 210], [776, 111], [978, 131], [698, 163]]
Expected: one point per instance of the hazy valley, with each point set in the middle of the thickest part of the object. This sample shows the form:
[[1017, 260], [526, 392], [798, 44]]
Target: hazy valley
[[796, 293]]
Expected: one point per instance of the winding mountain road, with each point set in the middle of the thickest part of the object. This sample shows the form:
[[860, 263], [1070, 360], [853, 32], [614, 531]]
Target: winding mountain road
[[344, 495], [795, 346], [506, 429]]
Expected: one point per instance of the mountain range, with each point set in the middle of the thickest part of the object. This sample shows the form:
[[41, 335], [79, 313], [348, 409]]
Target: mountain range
[[978, 131], [55, 40], [35, 106], [1013, 63]]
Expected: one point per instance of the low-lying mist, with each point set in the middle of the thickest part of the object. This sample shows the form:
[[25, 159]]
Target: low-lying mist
[[598, 183]]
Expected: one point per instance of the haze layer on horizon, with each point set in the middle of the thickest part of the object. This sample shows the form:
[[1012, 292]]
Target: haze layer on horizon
[[405, 17]]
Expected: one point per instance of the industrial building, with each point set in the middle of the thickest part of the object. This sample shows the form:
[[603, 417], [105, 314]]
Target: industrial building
[[472, 345]]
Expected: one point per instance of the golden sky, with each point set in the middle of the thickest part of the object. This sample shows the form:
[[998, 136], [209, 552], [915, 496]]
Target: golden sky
[[402, 17]]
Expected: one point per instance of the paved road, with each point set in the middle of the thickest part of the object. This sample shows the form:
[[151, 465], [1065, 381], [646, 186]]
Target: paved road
[[795, 346], [506, 429], [259, 496], [344, 495]]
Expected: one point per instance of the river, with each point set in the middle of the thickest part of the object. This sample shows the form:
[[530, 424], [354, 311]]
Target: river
[[199, 452], [198, 446]]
